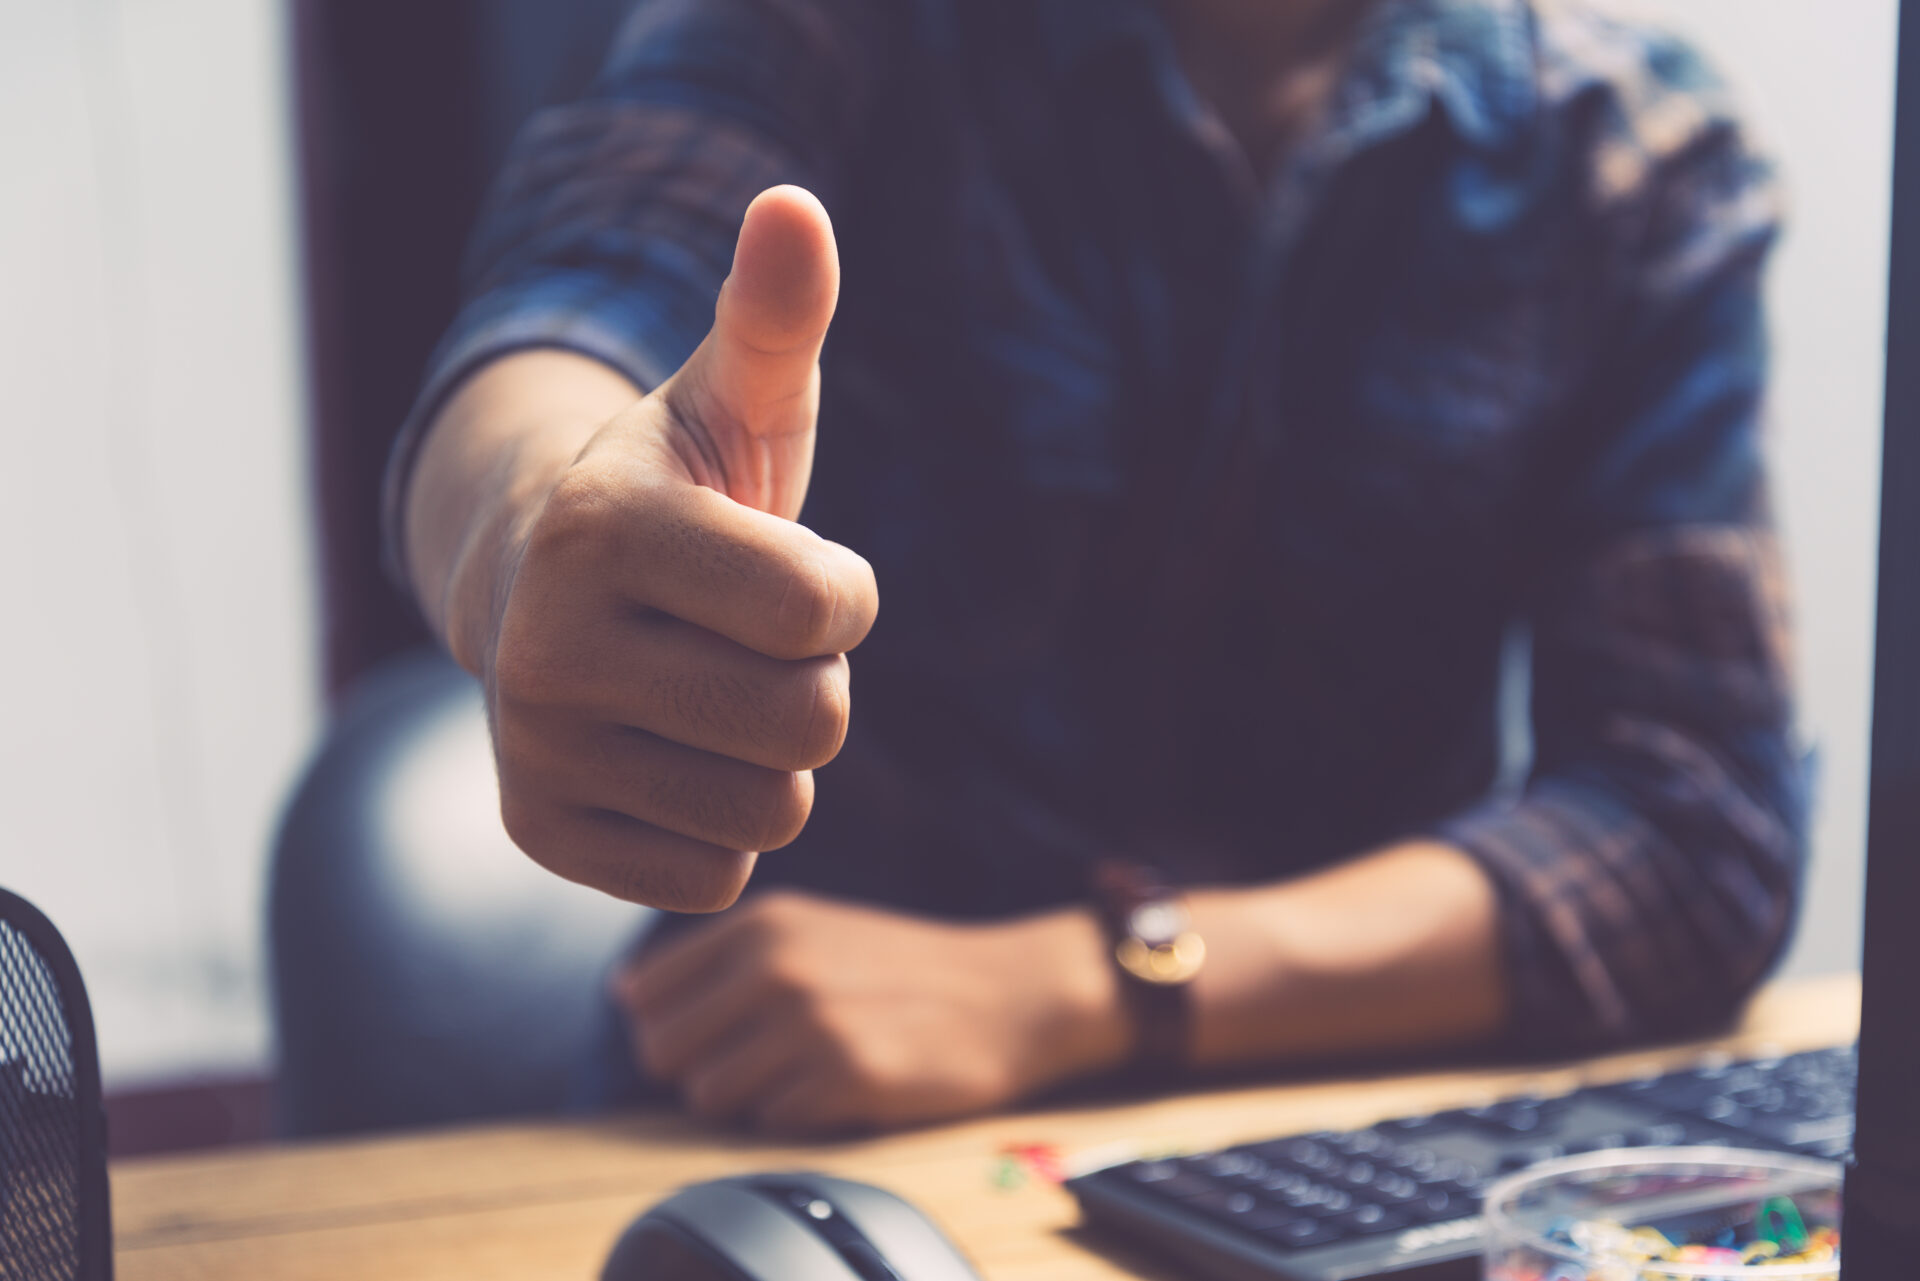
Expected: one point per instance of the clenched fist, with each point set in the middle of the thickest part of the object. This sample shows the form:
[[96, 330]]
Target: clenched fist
[[663, 648], [805, 1015]]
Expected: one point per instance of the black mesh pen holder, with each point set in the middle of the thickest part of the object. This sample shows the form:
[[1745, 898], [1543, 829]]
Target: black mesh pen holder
[[54, 1223]]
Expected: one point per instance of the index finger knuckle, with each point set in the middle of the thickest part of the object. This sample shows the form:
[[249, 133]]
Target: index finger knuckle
[[808, 609], [580, 522], [822, 711]]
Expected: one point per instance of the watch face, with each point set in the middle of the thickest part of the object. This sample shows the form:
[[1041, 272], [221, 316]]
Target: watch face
[[1157, 922], [1167, 964]]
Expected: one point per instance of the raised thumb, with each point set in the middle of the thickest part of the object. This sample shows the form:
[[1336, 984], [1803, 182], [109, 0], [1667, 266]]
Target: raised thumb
[[759, 365]]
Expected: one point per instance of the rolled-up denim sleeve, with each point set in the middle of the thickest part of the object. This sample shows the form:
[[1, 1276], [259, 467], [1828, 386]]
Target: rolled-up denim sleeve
[[612, 224], [1650, 869]]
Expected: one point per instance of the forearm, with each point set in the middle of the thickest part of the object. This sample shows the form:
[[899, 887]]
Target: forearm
[[1396, 950], [495, 448]]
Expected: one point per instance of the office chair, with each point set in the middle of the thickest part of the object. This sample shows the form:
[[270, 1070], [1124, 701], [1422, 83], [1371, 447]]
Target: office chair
[[54, 1220], [425, 970]]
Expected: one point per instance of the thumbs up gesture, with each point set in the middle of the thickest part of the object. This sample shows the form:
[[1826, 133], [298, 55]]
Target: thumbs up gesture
[[668, 661]]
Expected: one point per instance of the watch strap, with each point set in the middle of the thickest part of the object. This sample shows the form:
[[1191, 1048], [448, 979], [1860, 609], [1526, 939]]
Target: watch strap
[[1152, 969]]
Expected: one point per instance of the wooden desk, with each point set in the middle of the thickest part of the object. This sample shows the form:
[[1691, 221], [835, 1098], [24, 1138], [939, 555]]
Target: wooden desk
[[546, 1201]]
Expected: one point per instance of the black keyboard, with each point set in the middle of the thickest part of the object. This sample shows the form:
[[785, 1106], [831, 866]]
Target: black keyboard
[[1401, 1199]]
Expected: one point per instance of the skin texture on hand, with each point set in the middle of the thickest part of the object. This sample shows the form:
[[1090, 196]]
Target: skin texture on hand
[[805, 1015], [662, 647]]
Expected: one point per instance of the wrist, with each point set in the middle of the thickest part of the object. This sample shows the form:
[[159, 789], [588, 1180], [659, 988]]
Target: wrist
[[1078, 1024], [1159, 954], [488, 461], [473, 594]]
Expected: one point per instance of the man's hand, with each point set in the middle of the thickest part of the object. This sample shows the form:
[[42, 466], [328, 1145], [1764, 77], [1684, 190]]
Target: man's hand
[[662, 646], [806, 1015]]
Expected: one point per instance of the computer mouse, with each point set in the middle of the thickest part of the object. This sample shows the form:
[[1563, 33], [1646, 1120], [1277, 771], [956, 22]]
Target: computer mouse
[[784, 1227]]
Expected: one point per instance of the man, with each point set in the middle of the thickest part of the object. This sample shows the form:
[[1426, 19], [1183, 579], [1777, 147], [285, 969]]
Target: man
[[1214, 383]]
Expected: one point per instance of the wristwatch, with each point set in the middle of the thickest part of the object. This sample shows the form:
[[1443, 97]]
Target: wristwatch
[[1158, 954]]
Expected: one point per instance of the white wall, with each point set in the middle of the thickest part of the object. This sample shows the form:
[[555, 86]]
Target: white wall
[[1818, 83], [158, 645]]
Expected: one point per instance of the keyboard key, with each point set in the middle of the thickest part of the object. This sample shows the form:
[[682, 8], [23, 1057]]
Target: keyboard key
[[1417, 1162], [1359, 1174], [1240, 1209], [1361, 1143], [1317, 1199], [1284, 1182], [1370, 1220], [1765, 1099], [1150, 1171], [1681, 1092], [1520, 1121], [1299, 1234], [1394, 1188], [1230, 1165], [1452, 1170], [1165, 1178], [1515, 1116], [1273, 1151], [1438, 1205], [1723, 1109], [1309, 1155]]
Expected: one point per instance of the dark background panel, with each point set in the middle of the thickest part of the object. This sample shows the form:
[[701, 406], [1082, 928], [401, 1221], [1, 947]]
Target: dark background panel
[[403, 111]]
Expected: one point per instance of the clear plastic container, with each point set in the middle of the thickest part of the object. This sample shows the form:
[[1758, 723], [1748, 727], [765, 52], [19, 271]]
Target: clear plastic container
[[1587, 1218]]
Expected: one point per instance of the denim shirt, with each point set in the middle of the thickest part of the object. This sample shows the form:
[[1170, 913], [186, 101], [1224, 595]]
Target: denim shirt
[[1201, 501]]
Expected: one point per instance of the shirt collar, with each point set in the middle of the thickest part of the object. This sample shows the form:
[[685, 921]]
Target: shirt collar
[[1473, 57]]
